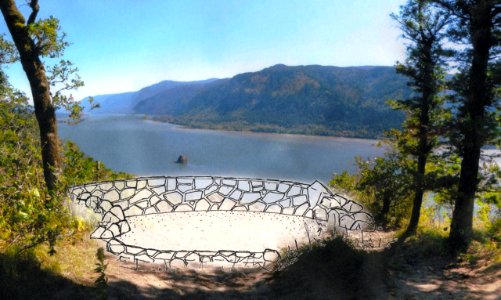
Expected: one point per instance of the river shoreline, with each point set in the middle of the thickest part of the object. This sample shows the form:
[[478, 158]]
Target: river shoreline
[[149, 118]]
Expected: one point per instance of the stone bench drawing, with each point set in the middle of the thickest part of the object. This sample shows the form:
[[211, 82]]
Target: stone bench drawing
[[201, 219]]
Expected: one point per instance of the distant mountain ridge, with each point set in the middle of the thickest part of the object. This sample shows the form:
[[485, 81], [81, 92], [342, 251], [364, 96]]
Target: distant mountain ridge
[[320, 100], [124, 103]]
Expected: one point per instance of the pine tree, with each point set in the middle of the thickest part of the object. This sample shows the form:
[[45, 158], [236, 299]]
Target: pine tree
[[476, 28], [423, 27]]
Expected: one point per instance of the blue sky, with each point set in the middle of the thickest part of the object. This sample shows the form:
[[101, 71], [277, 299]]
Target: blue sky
[[124, 45]]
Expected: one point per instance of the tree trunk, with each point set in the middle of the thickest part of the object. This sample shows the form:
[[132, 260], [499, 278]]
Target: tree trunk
[[462, 217], [418, 196], [385, 210], [40, 88], [480, 31], [428, 92]]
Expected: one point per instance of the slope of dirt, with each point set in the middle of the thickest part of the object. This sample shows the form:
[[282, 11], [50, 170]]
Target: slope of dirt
[[438, 278], [334, 270]]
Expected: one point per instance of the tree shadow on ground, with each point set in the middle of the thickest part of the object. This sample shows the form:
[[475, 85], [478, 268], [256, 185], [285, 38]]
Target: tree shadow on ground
[[423, 269], [420, 268], [23, 278], [193, 284], [330, 270]]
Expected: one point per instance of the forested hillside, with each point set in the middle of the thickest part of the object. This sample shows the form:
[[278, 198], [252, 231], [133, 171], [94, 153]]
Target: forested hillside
[[314, 99]]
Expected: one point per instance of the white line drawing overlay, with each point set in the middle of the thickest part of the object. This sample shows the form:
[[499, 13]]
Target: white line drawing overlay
[[243, 222]]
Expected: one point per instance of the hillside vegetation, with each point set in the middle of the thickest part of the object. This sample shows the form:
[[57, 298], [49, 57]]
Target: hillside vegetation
[[319, 100]]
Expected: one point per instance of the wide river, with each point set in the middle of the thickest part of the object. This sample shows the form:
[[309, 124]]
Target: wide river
[[131, 144]]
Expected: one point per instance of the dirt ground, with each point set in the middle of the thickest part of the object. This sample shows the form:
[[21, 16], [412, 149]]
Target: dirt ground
[[332, 270], [125, 282], [433, 278], [439, 279]]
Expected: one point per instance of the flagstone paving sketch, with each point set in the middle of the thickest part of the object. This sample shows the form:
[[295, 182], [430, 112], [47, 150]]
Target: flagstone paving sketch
[[202, 220]]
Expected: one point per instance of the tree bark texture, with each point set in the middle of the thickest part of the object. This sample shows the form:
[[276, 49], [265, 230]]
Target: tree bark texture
[[474, 110], [40, 88], [385, 210]]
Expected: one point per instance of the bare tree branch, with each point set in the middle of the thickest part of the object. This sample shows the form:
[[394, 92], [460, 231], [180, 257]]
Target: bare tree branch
[[34, 11]]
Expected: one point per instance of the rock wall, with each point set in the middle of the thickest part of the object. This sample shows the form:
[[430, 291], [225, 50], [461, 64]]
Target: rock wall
[[115, 201]]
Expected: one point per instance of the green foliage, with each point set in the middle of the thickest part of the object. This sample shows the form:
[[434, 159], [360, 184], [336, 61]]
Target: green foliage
[[489, 186], [476, 26], [7, 51], [428, 242], [474, 100], [80, 168], [423, 28], [63, 77], [434, 217], [442, 176], [29, 214], [34, 274], [382, 185], [345, 181], [46, 36], [488, 220], [101, 281], [494, 230], [49, 43]]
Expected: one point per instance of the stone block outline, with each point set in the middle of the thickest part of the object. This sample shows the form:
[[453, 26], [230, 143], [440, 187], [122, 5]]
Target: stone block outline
[[114, 201]]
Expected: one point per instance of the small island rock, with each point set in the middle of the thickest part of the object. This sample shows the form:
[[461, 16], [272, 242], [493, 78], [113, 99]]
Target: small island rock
[[182, 159]]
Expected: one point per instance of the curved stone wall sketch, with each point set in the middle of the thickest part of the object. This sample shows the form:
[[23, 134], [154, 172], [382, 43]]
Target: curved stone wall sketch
[[123, 205]]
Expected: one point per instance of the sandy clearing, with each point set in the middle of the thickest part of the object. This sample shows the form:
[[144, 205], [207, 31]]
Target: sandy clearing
[[219, 230]]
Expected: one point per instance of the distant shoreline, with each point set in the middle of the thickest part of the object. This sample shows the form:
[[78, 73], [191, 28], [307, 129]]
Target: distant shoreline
[[62, 116], [248, 129], [253, 132]]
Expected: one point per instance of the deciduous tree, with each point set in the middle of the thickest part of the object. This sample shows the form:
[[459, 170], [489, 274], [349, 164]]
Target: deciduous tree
[[33, 40], [382, 185]]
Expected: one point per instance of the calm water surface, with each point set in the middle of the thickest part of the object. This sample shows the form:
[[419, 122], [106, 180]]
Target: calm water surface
[[142, 147]]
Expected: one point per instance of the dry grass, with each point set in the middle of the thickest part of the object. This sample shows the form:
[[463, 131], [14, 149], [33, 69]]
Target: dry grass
[[74, 259]]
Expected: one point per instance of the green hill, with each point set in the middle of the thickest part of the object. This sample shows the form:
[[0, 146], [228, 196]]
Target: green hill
[[319, 100], [304, 99]]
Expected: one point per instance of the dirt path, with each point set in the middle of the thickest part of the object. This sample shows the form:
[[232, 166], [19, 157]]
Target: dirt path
[[439, 280], [152, 281], [429, 279]]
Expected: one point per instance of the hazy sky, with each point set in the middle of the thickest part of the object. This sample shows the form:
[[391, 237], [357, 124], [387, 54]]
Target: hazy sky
[[124, 45]]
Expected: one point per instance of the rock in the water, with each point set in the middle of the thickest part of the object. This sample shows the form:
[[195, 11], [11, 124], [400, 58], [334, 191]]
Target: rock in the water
[[182, 159]]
